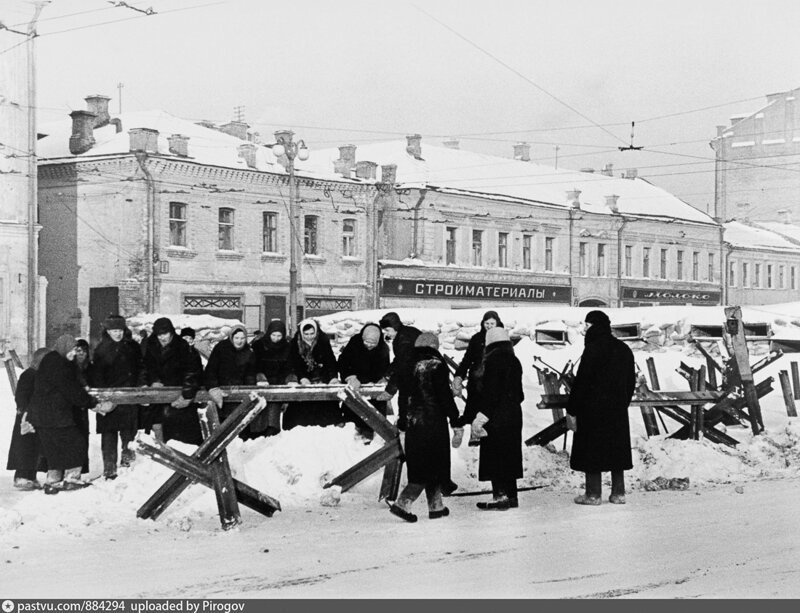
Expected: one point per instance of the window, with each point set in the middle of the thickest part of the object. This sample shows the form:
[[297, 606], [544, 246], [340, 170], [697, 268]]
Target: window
[[348, 237], [732, 274], [582, 269], [628, 260], [502, 249], [177, 224], [792, 278], [781, 277], [645, 262], [695, 266], [225, 241], [745, 274], [450, 246], [526, 251], [310, 246], [757, 275], [663, 266], [477, 247], [270, 232], [710, 266], [548, 253], [679, 272], [769, 276], [601, 260]]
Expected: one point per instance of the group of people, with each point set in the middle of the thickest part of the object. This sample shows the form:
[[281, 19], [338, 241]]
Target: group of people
[[51, 431]]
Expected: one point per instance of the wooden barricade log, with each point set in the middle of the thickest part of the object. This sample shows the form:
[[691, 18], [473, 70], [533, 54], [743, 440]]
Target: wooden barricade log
[[363, 469], [11, 371], [733, 333], [788, 398], [220, 472], [795, 380]]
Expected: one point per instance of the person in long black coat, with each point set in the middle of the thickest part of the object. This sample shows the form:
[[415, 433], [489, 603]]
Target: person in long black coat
[[57, 392], [170, 361], [501, 419], [271, 352], [427, 437], [83, 363], [231, 362], [598, 403], [24, 452], [311, 361], [471, 367], [117, 362], [402, 338], [365, 359]]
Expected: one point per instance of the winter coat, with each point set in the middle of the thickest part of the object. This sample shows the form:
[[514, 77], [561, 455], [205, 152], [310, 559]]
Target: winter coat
[[272, 359], [599, 399], [117, 364], [430, 406], [400, 370], [368, 365], [57, 394], [501, 449], [229, 366], [23, 451], [471, 368]]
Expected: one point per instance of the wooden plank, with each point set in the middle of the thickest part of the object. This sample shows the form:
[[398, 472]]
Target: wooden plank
[[220, 471], [795, 380], [363, 469], [788, 398], [548, 434], [390, 485], [15, 358], [11, 371], [371, 416], [733, 332], [698, 385], [551, 401]]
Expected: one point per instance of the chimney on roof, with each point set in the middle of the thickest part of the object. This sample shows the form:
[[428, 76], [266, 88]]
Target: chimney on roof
[[522, 152], [144, 139], [247, 151], [785, 216], [98, 105], [346, 161], [611, 203], [389, 174], [237, 129], [414, 146], [608, 170], [573, 198], [743, 212], [366, 170], [179, 145], [82, 137], [631, 173], [451, 143]]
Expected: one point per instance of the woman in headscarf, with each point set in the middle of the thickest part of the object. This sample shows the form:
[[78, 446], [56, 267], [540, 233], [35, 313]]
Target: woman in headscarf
[[24, 451], [471, 368], [272, 367], [231, 362], [311, 361]]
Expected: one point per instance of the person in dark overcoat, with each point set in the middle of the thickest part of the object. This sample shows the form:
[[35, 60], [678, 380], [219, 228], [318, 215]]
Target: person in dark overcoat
[[170, 361], [83, 363], [402, 338], [57, 392], [471, 367], [24, 452], [311, 361], [231, 362], [426, 442], [117, 362], [598, 410], [365, 359], [500, 420], [272, 368]]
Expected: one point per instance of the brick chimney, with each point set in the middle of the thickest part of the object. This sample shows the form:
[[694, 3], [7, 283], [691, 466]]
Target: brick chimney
[[522, 152], [144, 139], [98, 105], [743, 212], [179, 145], [389, 174], [631, 173], [247, 151], [82, 137], [346, 161], [611, 203], [608, 170], [573, 198], [452, 143], [414, 146], [785, 216], [366, 170], [235, 128]]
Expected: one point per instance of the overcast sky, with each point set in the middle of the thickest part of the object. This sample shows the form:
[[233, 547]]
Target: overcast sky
[[566, 73]]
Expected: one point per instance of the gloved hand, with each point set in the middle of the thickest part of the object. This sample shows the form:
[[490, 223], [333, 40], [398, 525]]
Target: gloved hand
[[334, 381], [305, 381], [217, 396], [457, 386], [261, 378], [180, 403], [477, 427], [105, 407], [353, 382], [458, 436], [156, 384], [402, 438], [25, 427], [572, 423]]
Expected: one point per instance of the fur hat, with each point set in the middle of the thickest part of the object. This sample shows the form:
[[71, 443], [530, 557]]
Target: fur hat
[[187, 331], [114, 322], [598, 318], [426, 339], [64, 344], [496, 335], [162, 325]]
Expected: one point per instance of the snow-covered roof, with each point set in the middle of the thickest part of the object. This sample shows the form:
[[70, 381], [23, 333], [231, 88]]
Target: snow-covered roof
[[205, 146], [788, 230], [457, 169], [749, 236]]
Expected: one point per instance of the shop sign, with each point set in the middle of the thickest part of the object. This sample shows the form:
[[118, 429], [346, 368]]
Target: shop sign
[[671, 296], [421, 288]]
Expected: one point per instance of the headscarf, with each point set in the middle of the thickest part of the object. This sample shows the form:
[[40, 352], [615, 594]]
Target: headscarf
[[427, 339], [64, 344], [306, 350], [163, 325], [37, 357], [234, 330], [391, 320], [601, 326], [492, 315], [496, 335], [276, 325]]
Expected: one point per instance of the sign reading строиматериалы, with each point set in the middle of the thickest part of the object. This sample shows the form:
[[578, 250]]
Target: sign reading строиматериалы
[[468, 290]]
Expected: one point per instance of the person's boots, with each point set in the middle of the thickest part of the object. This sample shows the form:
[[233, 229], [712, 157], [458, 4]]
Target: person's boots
[[73, 481], [54, 482], [128, 455], [617, 487], [593, 490]]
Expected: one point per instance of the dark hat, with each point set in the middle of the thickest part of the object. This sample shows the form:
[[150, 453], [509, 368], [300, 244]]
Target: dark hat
[[276, 325], [114, 322], [427, 339], [598, 318], [390, 320], [82, 343], [187, 331], [163, 325]]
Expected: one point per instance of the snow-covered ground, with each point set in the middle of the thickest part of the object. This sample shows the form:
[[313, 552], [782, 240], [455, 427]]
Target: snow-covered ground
[[732, 533]]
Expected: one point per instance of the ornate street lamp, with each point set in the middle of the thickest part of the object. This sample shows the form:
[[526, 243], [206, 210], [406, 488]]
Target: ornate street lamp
[[285, 146]]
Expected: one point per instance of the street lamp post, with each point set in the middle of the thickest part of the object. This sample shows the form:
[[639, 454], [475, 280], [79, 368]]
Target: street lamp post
[[285, 146]]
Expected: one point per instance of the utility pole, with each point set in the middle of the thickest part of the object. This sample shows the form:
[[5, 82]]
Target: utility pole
[[556, 164], [120, 85], [238, 113]]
